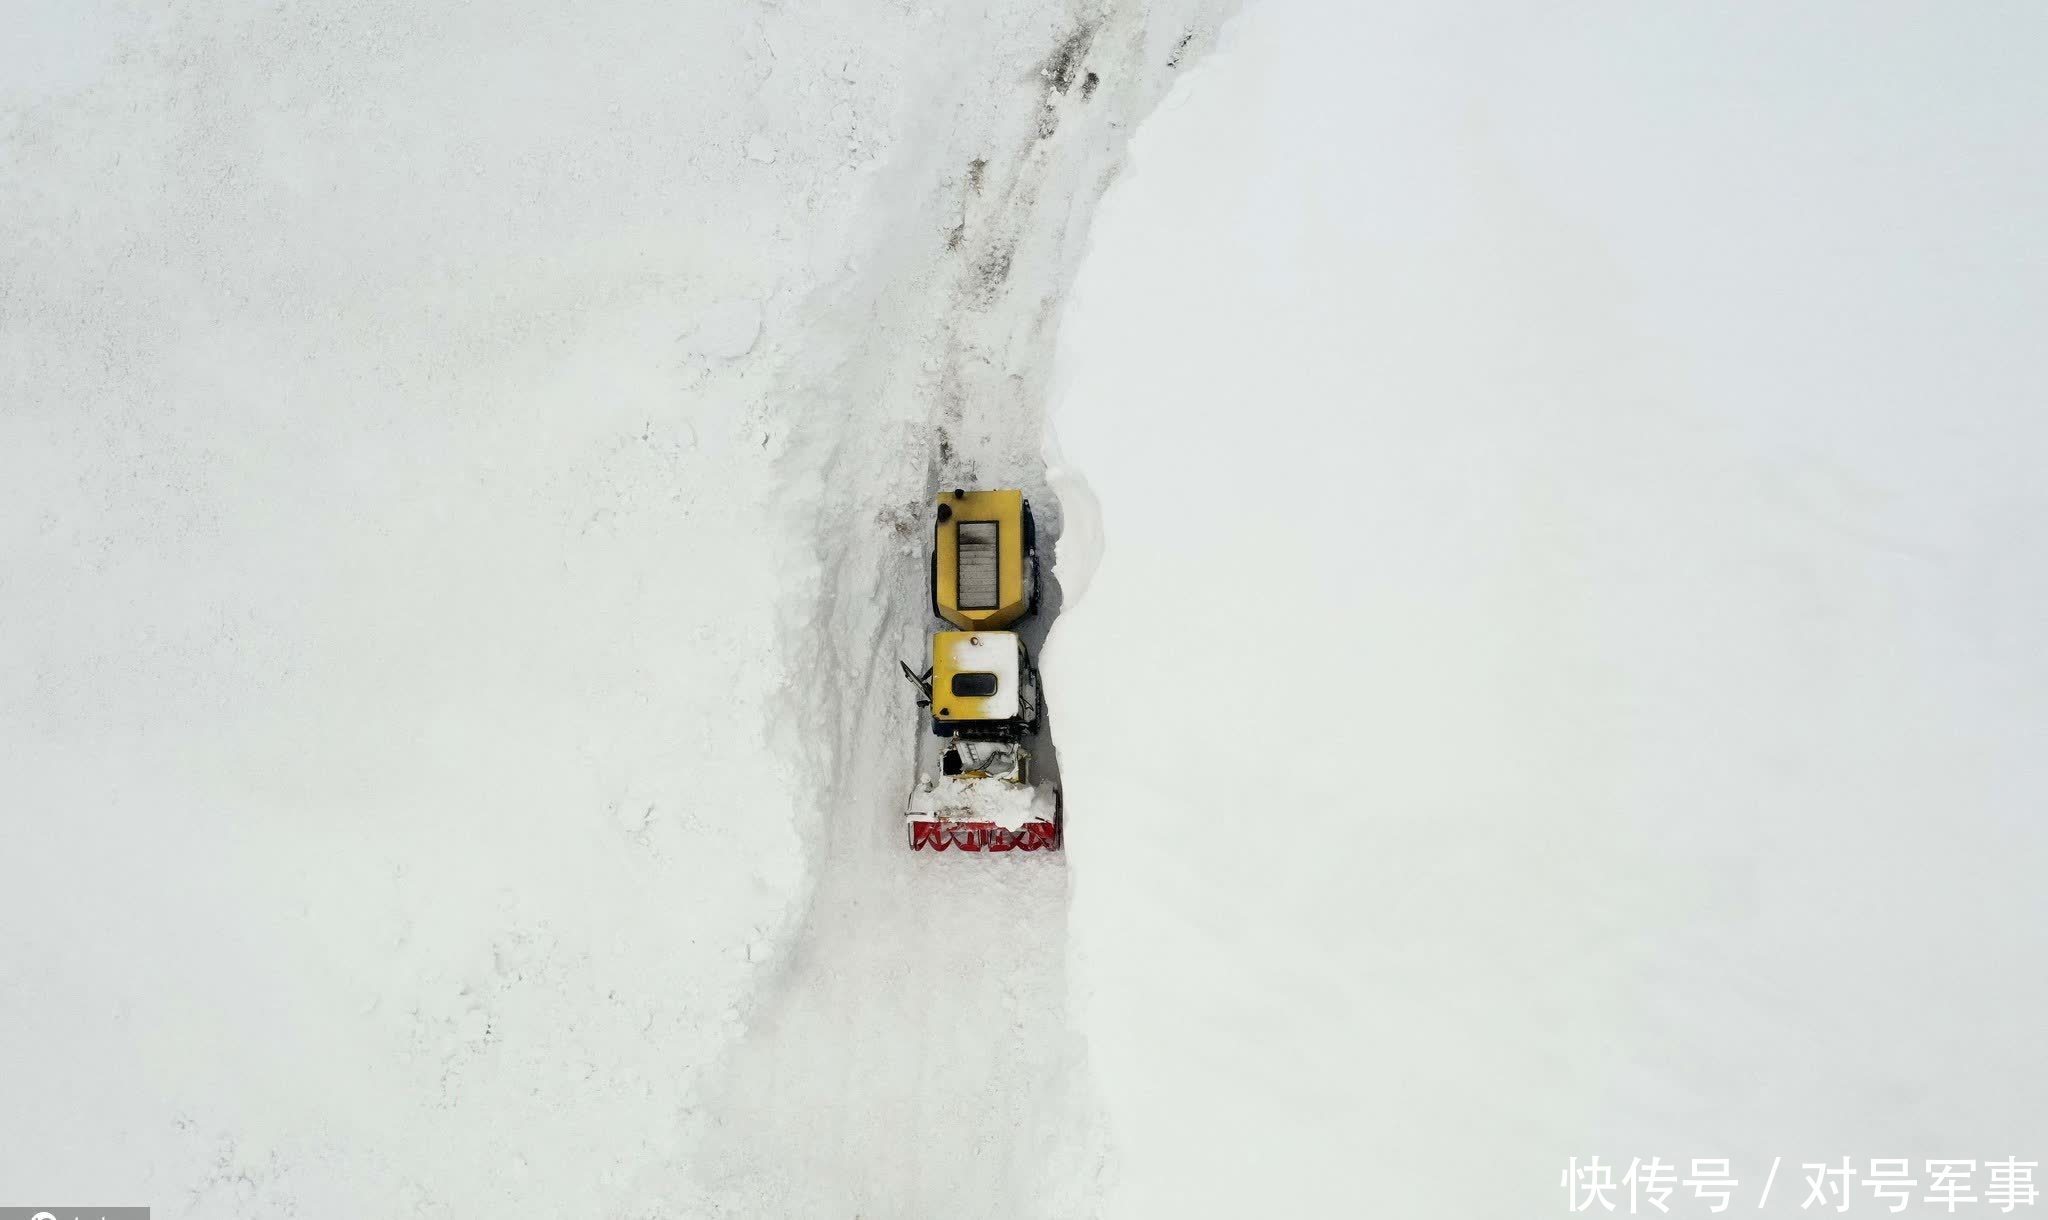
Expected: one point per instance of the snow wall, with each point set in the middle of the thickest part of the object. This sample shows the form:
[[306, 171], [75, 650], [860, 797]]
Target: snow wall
[[1559, 668]]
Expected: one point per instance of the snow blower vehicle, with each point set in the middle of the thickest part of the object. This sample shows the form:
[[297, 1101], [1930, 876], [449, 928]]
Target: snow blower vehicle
[[975, 788]]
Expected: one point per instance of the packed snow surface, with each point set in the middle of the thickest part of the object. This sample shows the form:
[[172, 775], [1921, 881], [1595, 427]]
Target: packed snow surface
[[1560, 664]]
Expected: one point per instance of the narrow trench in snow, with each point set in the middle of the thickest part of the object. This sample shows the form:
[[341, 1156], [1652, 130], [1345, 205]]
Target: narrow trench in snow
[[912, 1053]]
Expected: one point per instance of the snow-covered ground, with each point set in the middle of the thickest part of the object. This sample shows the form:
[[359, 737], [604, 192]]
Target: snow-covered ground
[[1551, 659], [462, 474], [1559, 667]]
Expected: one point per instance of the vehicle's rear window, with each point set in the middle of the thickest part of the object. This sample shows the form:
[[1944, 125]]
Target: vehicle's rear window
[[974, 685]]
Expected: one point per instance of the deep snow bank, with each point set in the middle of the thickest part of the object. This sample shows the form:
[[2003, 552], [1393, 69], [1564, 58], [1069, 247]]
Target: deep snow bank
[[384, 636], [1564, 674]]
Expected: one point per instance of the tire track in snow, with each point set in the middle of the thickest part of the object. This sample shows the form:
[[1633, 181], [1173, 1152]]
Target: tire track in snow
[[912, 1055]]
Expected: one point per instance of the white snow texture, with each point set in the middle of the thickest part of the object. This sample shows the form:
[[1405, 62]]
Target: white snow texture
[[1553, 657], [1567, 669]]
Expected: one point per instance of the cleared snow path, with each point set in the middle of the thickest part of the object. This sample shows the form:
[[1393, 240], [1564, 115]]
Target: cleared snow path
[[914, 1057]]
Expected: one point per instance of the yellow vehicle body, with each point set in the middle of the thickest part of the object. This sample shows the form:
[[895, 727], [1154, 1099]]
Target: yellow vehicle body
[[977, 678], [979, 559]]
